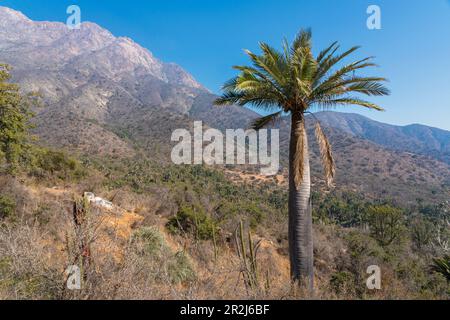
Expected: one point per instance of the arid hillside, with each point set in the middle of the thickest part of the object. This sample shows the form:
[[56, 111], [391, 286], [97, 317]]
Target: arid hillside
[[95, 188]]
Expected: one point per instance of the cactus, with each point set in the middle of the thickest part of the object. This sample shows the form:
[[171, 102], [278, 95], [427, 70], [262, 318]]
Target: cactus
[[215, 244], [248, 259]]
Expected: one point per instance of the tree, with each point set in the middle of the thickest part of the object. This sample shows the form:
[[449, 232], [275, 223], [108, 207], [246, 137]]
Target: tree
[[293, 81], [385, 223], [14, 119], [422, 231]]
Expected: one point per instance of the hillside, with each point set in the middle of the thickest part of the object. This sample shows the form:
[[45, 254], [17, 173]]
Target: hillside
[[97, 191], [108, 95], [416, 138]]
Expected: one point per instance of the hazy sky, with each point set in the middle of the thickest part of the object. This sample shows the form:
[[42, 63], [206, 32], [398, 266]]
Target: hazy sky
[[207, 37]]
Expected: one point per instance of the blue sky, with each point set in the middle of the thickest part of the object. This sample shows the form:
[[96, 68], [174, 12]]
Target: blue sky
[[207, 37]]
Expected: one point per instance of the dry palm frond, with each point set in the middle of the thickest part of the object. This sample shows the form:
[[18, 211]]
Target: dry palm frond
[[299, 157], [326, 154]]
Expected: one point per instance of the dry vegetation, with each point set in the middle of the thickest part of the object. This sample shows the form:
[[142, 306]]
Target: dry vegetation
[[174, 234]]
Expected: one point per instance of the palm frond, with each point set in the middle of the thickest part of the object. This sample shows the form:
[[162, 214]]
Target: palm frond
[[322, 85], [330, 103], [266, 67], [266, 120], [249, 73], [228, 98], [294, 80], [326, 64], [249, 89], [370, 86], [299, 156], [302, 40], [332, 48], [326, 154]]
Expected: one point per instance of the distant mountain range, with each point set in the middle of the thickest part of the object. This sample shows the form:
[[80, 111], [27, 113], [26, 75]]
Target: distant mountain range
[[108, 95], [414, 138]]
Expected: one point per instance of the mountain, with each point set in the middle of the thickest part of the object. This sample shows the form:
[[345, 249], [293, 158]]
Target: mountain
[[414, 138], [106, 95], [88, 52]]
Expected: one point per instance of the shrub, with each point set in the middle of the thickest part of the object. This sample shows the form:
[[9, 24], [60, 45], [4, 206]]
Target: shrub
[[151, 239], [255, 214], [193, 221], [386, 223], [55, 163], [442, 266], [342, 282], [422, 232], [158, 258], [180, 268], [361, 245], [7, 206], [346, 210]]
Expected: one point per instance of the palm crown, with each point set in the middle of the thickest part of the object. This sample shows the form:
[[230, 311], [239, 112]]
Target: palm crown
[[293, 81]]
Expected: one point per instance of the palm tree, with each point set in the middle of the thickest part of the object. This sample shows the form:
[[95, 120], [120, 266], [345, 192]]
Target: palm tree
[[293, 81]]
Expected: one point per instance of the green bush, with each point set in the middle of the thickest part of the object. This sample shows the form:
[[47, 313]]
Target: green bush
[[151, 240], [255, 214], [386, 223], [422, 232], [180, 268], [7, 206], [150, 244], [442, 266], [55, 163], [346, 209], [342, 282], [362, 246], [193, 221]]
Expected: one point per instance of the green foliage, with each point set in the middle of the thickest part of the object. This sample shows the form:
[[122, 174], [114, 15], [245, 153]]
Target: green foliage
[[346, 209], [342, 282], [15, 141], [180, 268], [294, 80], [254, 212], [422, 231], [386, 223], [361, 246], [152, 240], [14, 120], [7, 206], [192, 221], [442, 266], [435, 212], [52, 163], [215, 199], [149, 243]]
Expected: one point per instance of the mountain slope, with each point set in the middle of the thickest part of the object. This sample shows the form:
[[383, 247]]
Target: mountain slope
[[415, 138], [110, 96]]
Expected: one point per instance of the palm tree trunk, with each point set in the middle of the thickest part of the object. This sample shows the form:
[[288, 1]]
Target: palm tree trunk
[[300, 215]]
